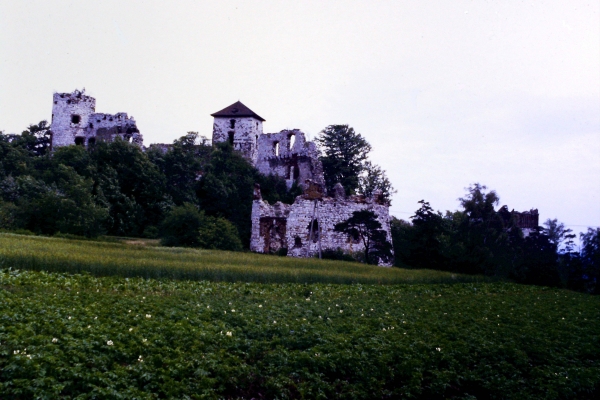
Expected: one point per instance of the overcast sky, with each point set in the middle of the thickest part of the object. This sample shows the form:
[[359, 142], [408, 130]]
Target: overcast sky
[[448, 93]]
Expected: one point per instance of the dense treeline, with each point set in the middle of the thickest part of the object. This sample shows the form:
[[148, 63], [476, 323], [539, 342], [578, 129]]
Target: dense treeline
[[117, 189], [199, 195], [482, 240]]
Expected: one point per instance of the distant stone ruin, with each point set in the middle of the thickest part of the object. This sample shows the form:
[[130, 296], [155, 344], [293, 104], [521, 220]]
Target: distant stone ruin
[[74, 121], [302, 228]]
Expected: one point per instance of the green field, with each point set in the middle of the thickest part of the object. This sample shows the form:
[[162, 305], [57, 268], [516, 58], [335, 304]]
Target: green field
[[65, 335], [134, 259]]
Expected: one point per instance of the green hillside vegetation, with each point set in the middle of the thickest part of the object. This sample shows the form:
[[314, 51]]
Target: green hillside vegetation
[[68, 336], [132, 258]]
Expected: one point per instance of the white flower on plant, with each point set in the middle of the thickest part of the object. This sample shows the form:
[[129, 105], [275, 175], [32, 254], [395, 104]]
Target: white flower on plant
[[274, 322], [341, 311], [129, 310], [207, 306], [232, 310], [438, 349], [144, 340], [148, 316], [260, 306], [95, 317], [69, 317], [54, 340], [130, 329], [16, 352], [89, 326], [229, 334], [110, 343], [140, 359]]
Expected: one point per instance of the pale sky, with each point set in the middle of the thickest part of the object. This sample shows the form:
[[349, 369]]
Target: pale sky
[[448, 93]]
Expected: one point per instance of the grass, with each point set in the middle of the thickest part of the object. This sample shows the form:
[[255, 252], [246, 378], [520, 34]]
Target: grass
[[68, 336], [138, 258]]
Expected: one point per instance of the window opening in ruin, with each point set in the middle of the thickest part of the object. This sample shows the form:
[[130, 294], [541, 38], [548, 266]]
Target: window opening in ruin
[[276, 148], [291, 140], [232, 123], [288, 172], [91, 125], [79, 141], [75, 119], [55, 102], [296, 172], [231, 138], [315, 230], [297, 241], [91, 141]]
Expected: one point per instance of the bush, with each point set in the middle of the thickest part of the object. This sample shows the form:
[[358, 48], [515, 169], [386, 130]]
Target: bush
[[180, 227], [186, 226], [218, 233]]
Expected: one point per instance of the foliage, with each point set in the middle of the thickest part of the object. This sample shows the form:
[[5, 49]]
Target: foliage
[[590, 256], [344, 153], [219, 234], [70, 336], [227, 187], [374, 178], [363, 225], [181, 226]]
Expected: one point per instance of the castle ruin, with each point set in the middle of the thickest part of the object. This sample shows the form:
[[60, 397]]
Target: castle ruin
[[306, 227], [75, 121]]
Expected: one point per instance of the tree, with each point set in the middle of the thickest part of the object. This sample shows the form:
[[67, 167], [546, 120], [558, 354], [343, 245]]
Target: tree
[[226, 189], [180, 227], [363, 225], [218, 233], [429, 237], [590, 255], [343, 155], [374, 178], [37, 138]]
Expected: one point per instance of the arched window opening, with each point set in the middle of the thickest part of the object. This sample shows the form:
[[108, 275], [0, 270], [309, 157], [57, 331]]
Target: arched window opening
[[75, 119], [276, 148], [231, 134], [297, 242], [291, 140], [232, 123], [79, 141]]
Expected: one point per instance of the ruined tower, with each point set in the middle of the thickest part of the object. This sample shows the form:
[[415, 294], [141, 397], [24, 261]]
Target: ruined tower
[[70, 115], [241, 127], [74, 121]]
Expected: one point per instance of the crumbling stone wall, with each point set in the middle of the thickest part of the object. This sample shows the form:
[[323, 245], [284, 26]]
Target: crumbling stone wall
[[74, 121], [70, 114], [288, 154], [242, 133], [288, 225]]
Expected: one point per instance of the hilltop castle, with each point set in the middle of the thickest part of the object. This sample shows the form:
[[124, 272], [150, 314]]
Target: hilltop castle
[[302, 229], [306, 227]]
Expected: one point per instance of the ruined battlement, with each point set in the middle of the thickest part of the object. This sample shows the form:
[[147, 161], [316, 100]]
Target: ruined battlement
[[74, 121]]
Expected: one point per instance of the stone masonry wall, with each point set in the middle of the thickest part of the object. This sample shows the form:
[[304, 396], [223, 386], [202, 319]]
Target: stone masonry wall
[[284, 225], [289, 155], [242, 133], [74, 121], [70, 114]]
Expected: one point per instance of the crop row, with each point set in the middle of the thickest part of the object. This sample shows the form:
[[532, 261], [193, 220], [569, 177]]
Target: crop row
[[67, 335]]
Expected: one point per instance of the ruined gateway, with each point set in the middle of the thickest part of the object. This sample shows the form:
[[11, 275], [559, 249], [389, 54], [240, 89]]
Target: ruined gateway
[[307, 225]]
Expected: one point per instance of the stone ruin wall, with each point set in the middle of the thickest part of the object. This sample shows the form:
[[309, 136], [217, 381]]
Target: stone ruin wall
[[74, 121], [70, 114], [243, 135], [288, 225], [288, 154]]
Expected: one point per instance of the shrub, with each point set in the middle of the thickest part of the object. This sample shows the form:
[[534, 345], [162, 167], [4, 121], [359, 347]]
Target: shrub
[[180, 227], [218, 233]]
